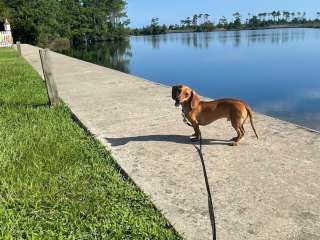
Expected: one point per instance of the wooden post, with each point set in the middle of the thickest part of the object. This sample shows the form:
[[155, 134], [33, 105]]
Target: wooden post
[[19, 49], [48, 77]]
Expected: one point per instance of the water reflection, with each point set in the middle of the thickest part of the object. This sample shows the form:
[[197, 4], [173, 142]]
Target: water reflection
[[275, 70], [235, 38], [115, 55], [303, 109]]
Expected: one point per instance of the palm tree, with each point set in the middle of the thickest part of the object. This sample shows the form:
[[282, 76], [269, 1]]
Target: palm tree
[[299, 14], [200, 16], [286, 15], [154, 21], [188, 21], [223, 21], [206, 16], [318, 15], [248, 19], [237, 21], [195, 20], [237, 15], [274, 14], [264, 16], [278, 15]]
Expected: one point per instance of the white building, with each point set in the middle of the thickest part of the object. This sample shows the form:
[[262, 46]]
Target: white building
[[6, 39]]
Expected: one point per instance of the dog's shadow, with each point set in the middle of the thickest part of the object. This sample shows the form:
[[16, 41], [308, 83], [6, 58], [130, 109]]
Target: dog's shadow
[[182, 139]]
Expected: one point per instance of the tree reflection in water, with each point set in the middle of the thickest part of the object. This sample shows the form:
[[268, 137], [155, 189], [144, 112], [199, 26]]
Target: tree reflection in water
[[115, 55]]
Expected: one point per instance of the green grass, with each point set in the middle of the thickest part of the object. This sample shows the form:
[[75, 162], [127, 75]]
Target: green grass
[[56, 182]]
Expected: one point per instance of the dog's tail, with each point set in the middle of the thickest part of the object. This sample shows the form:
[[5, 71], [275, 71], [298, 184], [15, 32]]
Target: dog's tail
[[251, 121]]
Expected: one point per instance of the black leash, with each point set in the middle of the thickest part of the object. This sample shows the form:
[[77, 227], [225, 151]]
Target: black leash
[[185, 120], [210, 202]]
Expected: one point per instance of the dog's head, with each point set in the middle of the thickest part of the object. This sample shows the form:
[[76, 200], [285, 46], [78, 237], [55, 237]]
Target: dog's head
[[184, 95]]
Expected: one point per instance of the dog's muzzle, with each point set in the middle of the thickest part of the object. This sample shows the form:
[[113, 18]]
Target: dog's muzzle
[[175, 95], [177, 102]]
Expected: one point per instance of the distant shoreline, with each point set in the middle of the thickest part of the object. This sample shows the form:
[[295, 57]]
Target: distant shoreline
[[287, 26], [306, 25]]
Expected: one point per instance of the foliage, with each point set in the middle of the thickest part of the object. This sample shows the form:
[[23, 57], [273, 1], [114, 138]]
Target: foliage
[[202, 23], [56, 182], [152, 29], [237, 21], [42, 21], [4, 11], [197, 23]]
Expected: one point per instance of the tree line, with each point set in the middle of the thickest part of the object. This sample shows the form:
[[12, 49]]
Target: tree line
[[202, 23], [196, 23], [43, 22], [265, 19]]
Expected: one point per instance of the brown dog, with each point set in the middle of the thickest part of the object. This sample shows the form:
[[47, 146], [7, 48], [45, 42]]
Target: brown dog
[[200, 113]]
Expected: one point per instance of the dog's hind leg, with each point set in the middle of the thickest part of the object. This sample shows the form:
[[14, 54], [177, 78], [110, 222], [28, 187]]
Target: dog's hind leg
[[242, 125], [237, 139], [240, 131]]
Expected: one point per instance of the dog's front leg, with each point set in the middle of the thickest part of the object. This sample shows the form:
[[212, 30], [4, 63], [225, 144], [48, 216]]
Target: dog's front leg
[[197, 133]]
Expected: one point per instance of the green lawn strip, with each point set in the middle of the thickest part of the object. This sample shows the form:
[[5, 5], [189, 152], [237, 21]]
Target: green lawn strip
[[56, 182]]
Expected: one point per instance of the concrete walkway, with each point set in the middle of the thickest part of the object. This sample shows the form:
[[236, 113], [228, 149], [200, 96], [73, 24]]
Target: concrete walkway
[[266, 189]]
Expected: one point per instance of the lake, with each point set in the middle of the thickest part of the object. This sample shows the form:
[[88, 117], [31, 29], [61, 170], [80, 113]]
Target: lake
[[277, 71]]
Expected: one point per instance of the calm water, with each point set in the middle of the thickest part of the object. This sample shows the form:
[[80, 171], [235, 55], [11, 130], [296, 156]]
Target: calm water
[[276, 71]]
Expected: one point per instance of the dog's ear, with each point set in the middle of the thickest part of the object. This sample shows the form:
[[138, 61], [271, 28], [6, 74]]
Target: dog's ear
[[175, 92], [195, 100]]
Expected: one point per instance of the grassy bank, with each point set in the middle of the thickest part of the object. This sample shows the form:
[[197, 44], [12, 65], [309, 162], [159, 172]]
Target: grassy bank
[[56, 182]]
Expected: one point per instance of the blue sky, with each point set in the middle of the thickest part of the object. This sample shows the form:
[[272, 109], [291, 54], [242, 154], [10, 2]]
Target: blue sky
[[172, 11]]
